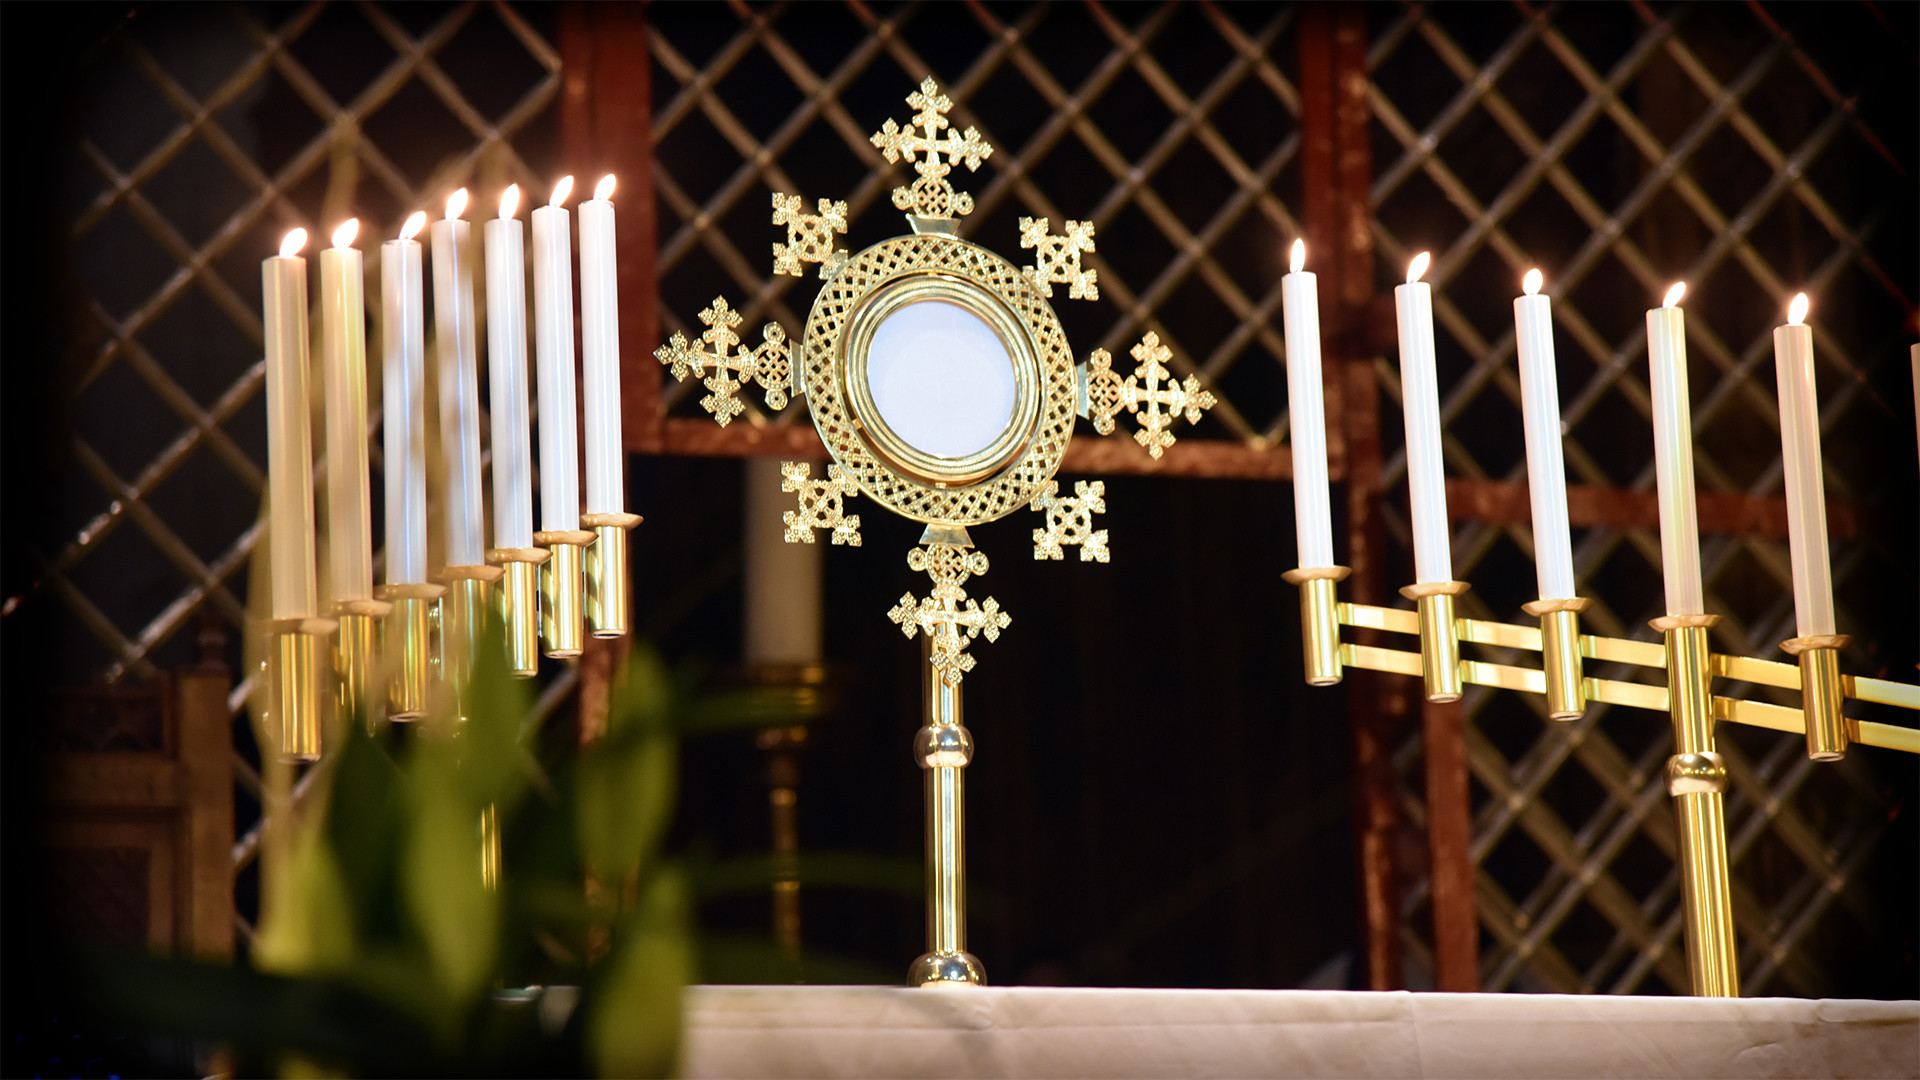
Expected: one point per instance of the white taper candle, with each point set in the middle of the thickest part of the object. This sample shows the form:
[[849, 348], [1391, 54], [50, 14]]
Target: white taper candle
[[553, 342], [283, 295], [1307, 412], [1673, 455], [1540, 412], [1806, 488], [459, 382], [403, 404], [600, 352], [507, 368], [1420, 405], [343, 352]]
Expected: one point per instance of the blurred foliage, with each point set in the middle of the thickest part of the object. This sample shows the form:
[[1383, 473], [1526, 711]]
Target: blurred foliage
[[383, 951]]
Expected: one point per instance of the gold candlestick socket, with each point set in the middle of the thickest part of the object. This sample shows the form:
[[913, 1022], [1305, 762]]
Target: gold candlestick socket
[[356, 656], [1439, 637], [561, 591], [520, 606], [1560, 654], [608, 573], [1821, 692], [462, 613], [297, 684], [410, 653], [1319, 620]]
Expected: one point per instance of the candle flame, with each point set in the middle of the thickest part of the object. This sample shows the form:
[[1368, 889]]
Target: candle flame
[[604, 190], [1299, 259], [415, 222], [1532, 282], [456, 204], [292, 243], [1674, 294], [1797, 311], [561, 190], [509, 201], [1418, 267], [343, 236]]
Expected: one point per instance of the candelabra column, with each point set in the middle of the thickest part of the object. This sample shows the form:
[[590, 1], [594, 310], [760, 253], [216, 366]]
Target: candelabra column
[[944, 747], [1697, 780]]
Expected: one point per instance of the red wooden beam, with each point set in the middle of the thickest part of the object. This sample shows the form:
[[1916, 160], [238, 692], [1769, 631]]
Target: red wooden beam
[[1505, 502]]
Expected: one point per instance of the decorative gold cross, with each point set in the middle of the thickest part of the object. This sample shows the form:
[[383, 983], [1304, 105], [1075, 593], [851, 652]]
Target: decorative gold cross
[[809, 236], [1070, 522], [770, 365], [949, 616], [1058, 258], [1152, 385], [932, 195], [822, 504]]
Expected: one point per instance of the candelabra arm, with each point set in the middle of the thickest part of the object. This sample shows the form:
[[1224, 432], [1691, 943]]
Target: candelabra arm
[[356, 656], [462, 611], [296, 684], [1821, 692], [1560, 655], [609, 581], [943, 748], [1697, 780], [409, 647], [1439, 637], [562, 618], [1319, 620], [520, 606]]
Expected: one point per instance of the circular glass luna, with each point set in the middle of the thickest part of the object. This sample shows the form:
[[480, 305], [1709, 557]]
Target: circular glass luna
[[941, 379]]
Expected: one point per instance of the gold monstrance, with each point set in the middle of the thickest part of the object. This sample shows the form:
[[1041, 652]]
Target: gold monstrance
[[941, 383]]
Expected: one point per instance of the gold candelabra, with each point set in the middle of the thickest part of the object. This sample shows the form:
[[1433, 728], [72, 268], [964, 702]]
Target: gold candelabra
[[1696, 774]]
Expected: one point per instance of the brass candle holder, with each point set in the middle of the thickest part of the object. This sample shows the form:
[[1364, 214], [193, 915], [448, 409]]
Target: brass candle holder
[[1696, 774], [410, 655], [520, 606], [462, 612], [297, 676], [356, 656], [608, 573], [562, 614]]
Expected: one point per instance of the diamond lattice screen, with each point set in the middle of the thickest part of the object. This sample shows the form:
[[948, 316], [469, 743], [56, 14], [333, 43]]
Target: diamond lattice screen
[[1621, 149]]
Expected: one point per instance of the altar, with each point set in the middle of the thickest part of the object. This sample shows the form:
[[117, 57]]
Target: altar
[[856, 1031]]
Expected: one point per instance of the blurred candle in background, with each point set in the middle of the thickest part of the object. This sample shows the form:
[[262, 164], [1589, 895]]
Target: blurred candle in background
[[343, 354], [453, 320], [283, 296], [600, 352], [1307, 412], [507, 368], [1673, 454], [553, 343], [1420, 405], [1546, 470], [403, 401], [1806, 488]]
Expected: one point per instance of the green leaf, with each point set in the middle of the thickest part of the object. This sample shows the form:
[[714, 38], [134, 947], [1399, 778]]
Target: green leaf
[[307, 919], [455, 914], [634, 1029]]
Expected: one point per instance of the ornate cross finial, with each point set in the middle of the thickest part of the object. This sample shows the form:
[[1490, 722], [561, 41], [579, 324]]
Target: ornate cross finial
[[770, 365], [1057, 258], [1070, 522], [1151, 385], [809, 236], [822, 504], [932, 195], [949, 616]]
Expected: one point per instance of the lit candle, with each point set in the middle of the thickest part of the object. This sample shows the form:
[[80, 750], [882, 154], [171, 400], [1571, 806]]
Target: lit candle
[[459, 382], [1673, 455], [507, 364], [600, 351], [343, 353], [1306, 408], [553, 340], [283, 294], [1540, 411], [1420, 405], [1806, 488], [403, 326]]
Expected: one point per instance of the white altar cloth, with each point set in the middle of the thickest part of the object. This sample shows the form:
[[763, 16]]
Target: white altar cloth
[[870, 1031]]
